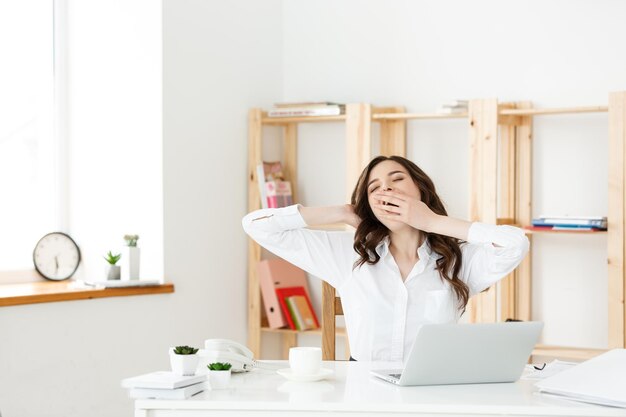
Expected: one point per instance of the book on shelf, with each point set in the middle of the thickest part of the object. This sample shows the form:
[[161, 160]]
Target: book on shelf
[[454, 107], [301, 313], [168, 394], [274, 190], [162, 380], [456, 103], [566, 228], [597, 222], [307, 104], [283, 294], [278, 194], [334, 110], [274, 274]]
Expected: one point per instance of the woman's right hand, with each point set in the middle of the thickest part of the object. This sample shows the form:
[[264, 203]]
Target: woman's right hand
[[350, 217]]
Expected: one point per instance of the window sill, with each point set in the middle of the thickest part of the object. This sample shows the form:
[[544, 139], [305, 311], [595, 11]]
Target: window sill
[[47, 292]]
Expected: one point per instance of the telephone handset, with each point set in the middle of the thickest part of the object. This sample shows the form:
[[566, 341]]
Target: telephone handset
[[240, 357]]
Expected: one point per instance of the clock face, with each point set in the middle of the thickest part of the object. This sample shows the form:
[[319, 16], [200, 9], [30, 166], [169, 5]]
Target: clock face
[[56, 256]]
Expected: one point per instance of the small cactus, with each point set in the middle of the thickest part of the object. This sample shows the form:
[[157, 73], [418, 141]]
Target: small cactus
[[112, 259], [219, 366], [185, 350]]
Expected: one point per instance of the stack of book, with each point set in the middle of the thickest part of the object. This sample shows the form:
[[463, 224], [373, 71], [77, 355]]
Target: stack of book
[[164, 385], [275, 191], [297, 308], [454, 107], [569, 223], [323, 108]]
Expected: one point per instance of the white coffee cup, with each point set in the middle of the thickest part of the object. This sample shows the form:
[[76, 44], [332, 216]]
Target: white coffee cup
[[305, 360]]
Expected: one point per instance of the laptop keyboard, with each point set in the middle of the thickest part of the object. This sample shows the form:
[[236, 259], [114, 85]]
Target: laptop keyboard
[[395, 375]]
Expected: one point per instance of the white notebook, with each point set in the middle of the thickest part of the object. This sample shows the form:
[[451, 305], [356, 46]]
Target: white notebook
[[120, 283], [162, 380], [167, 394], [600, 380]]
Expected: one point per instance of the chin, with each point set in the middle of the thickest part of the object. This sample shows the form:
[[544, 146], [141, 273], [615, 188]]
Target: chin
[[393, 226]]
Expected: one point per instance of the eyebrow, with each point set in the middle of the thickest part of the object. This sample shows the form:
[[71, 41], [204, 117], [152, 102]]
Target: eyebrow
[[391, 173]]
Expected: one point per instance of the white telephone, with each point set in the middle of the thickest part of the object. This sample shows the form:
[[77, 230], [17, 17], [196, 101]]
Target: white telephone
[[239, 356]]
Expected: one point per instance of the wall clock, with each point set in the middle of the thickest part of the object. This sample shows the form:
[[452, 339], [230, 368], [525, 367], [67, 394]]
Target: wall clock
[[56, 256]]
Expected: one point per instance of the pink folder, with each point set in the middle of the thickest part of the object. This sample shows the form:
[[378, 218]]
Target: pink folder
[[278, 273]]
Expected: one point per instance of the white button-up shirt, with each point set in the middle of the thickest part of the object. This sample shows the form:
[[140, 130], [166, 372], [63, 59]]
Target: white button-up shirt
[[382, 312]]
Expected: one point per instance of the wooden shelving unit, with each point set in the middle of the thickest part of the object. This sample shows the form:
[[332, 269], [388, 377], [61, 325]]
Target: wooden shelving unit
[[503, 131], [357, 121]]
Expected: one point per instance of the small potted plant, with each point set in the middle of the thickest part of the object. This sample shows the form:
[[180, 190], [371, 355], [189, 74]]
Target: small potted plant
[[184, 360], [219, 375], [131, 256], [112, 271]]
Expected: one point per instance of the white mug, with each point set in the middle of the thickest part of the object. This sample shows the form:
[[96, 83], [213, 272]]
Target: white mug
[[305, 360]]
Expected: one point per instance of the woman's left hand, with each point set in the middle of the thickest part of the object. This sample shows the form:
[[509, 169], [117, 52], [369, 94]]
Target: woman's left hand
[[409, 210]]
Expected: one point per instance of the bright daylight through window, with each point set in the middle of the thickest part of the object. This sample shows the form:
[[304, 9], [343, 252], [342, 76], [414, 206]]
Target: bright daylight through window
[[29, 197]]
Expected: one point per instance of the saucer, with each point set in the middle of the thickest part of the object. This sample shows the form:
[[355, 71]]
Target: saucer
[[288, 373]]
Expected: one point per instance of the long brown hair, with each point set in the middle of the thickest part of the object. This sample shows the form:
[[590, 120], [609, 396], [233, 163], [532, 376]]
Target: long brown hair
[[371, 231]]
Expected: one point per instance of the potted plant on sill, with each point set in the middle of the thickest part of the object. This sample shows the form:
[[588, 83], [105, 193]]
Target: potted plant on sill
[[112, 271], [219, 375], [184, 360], [131, 256]]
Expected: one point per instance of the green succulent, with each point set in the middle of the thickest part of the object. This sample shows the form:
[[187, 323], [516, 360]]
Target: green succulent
[[112, 259], [219, 366], [185, 350]]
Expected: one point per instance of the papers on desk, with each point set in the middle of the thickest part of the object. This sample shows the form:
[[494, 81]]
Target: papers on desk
[[549, 369], [600, 380]]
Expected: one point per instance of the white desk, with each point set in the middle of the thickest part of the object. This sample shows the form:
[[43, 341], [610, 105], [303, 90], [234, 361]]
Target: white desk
[[353, 390]]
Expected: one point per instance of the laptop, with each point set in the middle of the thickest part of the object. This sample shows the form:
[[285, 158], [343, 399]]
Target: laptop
[[466, 354]]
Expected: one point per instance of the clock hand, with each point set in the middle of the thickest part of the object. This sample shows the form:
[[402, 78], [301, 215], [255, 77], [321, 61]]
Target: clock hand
[[56, 261]]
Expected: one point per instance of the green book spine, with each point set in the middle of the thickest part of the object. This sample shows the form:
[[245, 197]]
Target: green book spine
[[294, 316]]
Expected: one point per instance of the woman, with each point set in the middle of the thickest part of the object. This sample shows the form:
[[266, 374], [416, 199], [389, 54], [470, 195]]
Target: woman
[[407, 264]]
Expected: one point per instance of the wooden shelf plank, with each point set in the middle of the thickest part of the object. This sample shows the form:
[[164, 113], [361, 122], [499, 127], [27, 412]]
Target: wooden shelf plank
[[563, 352], [407, 116], [305, 119], [341, 331], [46, 292], [557, 110]]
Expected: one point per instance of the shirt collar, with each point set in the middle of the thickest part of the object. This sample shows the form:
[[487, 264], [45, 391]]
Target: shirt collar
[[424, 251]]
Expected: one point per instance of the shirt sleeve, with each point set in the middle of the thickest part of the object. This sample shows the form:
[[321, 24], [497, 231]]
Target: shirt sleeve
[[483, 263], [326, 254]]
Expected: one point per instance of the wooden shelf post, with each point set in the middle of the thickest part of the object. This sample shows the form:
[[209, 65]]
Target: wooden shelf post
[[616, 219], [483, 120]]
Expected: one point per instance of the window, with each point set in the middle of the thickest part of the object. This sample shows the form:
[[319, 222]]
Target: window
[[30, 203]]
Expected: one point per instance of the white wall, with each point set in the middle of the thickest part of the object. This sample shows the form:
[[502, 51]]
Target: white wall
[[218, 59], [422, 53]]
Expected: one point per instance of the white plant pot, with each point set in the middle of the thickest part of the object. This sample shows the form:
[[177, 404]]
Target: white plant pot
[[130, 260], [219, 379], [184, 364], [112, 271]]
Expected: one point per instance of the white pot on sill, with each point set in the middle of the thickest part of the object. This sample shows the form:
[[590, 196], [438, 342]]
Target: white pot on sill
[[184, 364], [219, 379], [112, 271]]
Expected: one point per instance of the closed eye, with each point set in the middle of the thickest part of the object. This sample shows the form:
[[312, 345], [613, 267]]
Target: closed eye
[[374, 189], [398, 179]]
